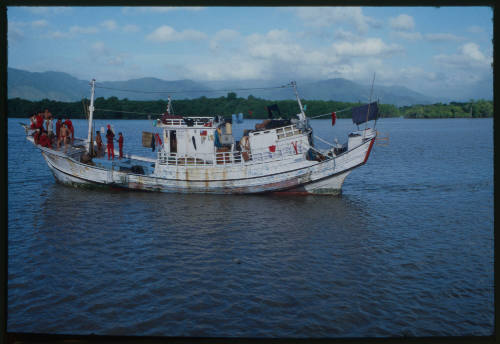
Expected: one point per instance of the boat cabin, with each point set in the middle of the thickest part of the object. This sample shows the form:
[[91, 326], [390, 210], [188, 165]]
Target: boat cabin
[[206, 138]]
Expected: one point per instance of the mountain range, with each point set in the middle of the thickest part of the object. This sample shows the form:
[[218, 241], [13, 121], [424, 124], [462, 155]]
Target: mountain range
[[64, 87]]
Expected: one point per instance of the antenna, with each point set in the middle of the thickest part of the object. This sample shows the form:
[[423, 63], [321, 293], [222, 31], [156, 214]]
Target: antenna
[[371, 93], [368, 111]]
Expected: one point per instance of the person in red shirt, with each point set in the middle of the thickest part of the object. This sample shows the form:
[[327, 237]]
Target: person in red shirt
[[44, 140], [120, 144], [111, 148], [69, 124], [36, 135], [39, 121]]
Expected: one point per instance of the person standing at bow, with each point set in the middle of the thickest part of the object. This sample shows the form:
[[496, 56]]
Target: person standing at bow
[[111, 148], [69, 124], [120, 144], [58, 128], [98, 141]]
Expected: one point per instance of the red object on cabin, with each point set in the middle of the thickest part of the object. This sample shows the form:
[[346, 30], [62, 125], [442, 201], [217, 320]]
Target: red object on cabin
[[203, 133], [334, 118], [272, 148], [158, 140]]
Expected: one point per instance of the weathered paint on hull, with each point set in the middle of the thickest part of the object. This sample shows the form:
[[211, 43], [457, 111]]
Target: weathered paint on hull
[[314, 177]]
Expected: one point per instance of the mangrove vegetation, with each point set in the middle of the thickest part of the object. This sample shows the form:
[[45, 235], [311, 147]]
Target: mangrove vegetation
[[251, 107]]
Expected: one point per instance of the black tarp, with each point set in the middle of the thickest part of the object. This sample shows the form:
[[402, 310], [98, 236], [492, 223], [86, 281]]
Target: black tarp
[[272, 108], [359, 114]]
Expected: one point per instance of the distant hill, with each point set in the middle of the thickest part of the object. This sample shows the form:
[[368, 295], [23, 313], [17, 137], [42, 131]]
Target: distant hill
[[51, 85], [64, 87]]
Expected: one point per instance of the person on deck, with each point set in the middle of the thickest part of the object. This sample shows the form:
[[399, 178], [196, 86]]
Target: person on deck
[[49, 126], [98, 141], [120, 144], [33, 121], [36, 135], [47, 114], [111, 148], [64, 137], [69, 124], [58, 128], [44, 140], [39, 121]]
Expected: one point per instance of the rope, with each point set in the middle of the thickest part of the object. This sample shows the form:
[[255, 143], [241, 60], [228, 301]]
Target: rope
[[139, 113], [205, 91], [324, 141], [329, 114]]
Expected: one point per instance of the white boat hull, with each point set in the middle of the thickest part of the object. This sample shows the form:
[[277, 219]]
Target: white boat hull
[[293, 175]]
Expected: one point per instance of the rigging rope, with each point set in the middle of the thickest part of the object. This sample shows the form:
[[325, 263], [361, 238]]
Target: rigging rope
[[187, 91], [329, 114], [139, 113]]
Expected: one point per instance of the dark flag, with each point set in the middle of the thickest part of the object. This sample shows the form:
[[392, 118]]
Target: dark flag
[[365, 113], [272, 108]]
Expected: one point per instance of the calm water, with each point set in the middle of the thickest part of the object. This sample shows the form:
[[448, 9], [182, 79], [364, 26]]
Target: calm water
[[406, 250]]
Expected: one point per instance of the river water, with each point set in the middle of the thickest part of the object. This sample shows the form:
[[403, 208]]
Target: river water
[[406, 250]]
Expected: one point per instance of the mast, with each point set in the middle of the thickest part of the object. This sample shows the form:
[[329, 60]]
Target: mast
[[369, 103], [169, 106], [302, 115], [91, 115]]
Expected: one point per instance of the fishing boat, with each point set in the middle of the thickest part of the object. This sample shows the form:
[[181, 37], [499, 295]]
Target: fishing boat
[[201, 155]]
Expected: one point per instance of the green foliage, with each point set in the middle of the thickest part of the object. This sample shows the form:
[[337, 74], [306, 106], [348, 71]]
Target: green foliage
[[225, 106], [479, 108]]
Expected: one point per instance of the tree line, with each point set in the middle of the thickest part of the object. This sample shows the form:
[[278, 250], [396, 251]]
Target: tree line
[[251, 107]]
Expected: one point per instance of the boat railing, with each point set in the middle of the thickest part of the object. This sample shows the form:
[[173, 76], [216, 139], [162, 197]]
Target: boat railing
[[227, 158], [197, 121], [290, 130]]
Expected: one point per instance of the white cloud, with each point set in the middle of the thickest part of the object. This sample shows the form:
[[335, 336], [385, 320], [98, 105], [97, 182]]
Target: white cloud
[[471, 50], [402, 22], [341, 34], [236, 68], [166, 33], [39, 23], [469, 56], [224, 35], [109, 25], [131, 28], [278, 46], [83, 30], [367, 47], [328, 16]]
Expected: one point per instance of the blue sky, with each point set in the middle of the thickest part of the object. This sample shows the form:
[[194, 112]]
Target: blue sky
[[436, 51]]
